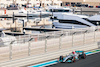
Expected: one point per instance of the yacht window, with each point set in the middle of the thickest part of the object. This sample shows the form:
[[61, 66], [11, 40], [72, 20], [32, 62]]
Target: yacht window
[[93, 22], [66, 11], [20, 12], [60, 10], [38, 11], [72, 22], [55, 10], [47, 10], [33, 11], [10, 6], [50, 10]]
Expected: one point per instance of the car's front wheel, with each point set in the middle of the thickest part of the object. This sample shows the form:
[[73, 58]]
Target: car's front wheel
[[73, 60]]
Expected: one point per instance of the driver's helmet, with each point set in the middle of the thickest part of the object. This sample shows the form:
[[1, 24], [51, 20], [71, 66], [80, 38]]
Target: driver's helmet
[[73, 52]]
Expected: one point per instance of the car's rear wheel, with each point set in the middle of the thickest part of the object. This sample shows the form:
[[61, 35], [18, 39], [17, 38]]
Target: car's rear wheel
[[79, 57], [84, 56]]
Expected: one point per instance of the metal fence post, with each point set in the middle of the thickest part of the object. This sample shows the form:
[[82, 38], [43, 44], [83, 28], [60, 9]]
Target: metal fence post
[[94, 36], [18, 39], [10, 51], [24, 38], [54, 34], [28, 48], [84, 39], [59, 42], [45, 44], [72, 40], [38, 36], [29, 45]]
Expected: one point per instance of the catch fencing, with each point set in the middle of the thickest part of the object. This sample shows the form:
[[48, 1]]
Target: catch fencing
[[17, 47]]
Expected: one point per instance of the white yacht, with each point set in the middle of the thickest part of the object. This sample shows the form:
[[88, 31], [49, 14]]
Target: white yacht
[[24, 12], [5, 39], [94, 19], [32, 13], [69, 21], [43, 13], [36, 21], [57, 10]]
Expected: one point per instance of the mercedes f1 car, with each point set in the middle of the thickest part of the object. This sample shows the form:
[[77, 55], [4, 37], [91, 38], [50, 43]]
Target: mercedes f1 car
[[72, 57]]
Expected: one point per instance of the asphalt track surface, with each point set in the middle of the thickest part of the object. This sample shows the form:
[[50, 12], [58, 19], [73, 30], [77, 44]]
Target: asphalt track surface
[[90, 61]]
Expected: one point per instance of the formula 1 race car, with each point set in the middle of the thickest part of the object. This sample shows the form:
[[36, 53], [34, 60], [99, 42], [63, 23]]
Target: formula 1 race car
[[72, 57]]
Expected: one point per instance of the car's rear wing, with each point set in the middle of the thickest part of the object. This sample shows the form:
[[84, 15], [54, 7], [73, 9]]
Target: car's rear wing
[[79, 51]]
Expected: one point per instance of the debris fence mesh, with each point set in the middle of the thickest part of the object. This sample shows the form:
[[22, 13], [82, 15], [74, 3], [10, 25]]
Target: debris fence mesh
[[16, 47]]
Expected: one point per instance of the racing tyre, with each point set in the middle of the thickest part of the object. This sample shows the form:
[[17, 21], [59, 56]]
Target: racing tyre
[[61, 58], [73, 59], [79, 57], [84, 56]]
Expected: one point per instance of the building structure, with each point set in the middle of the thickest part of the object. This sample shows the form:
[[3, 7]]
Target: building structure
[[89, 2], [32, 2], [92, 2], [4, 3]]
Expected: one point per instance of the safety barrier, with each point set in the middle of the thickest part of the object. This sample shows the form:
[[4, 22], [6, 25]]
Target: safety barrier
[[45, 43], [46, 56]]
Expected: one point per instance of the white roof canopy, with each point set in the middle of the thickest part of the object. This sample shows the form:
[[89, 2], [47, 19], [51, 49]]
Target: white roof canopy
[[95, 18]]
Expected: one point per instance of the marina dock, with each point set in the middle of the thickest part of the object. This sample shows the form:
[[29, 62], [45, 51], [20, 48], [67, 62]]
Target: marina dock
[[5, 16], [41, 29]]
